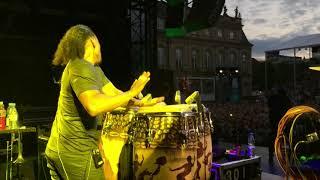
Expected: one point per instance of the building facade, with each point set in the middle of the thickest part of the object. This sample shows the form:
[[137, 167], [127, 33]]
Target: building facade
[[215, 61]]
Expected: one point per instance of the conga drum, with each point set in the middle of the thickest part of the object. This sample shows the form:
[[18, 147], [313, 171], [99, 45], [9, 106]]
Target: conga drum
[[171, 142], [116, 133]]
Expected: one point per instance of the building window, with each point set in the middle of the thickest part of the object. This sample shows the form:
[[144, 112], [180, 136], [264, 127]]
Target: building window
[[244, 57], [194, 59], [160, 23], [220, 59], [219, 33], [207, 32], [207, 86], [231, 35], [179, 58], [161, 56], [233, 59], [206, 62]]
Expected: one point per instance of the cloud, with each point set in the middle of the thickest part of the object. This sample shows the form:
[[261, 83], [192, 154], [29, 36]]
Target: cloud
[[300, 12], [262, 45], [268, 21], [259, 21]]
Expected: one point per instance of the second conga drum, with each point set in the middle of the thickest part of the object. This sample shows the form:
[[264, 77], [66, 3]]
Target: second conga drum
[[171, 142], [114, 138]]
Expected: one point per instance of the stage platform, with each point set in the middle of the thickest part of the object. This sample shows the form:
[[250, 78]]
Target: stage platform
[[268, 176]]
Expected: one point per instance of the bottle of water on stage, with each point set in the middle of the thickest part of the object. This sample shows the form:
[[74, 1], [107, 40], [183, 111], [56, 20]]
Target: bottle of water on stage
[[251, 146], [2, 116], [12, 116]]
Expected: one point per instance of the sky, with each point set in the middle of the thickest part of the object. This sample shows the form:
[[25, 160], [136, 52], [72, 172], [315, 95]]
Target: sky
[[269, 22]]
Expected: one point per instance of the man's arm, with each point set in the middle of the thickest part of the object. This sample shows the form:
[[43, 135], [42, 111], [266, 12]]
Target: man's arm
[[110, 90], [96, 102]]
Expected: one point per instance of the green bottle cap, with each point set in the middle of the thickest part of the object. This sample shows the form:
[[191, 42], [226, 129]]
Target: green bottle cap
[[303, 158], [12, 104]]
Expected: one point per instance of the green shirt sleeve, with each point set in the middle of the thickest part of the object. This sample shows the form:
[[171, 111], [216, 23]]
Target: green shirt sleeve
[[83, 77], [103, 77]]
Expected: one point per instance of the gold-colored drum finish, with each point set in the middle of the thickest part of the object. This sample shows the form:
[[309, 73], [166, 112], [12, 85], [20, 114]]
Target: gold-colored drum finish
[[114, 137], [166, 145]]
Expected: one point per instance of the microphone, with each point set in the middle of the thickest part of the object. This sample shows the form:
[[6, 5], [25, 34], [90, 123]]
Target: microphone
[[312, 137], [177, 97], [192, 98]]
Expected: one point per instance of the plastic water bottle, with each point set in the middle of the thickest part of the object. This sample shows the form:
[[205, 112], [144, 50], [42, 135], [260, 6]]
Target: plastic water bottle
[[251, 146], [2, 116], [177, 97], [8, 122], [12, 116]]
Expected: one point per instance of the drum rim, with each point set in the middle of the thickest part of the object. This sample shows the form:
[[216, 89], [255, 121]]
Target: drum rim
[[166, 114]]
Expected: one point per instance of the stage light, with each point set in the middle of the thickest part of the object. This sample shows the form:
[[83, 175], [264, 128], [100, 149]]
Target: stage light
[[237, 71], [221, 71]]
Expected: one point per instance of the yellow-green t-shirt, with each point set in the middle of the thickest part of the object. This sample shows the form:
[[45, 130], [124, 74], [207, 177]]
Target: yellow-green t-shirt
[[73, 128]]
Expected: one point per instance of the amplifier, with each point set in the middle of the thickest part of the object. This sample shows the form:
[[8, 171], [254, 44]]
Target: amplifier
[[35, 116], [245, 169]]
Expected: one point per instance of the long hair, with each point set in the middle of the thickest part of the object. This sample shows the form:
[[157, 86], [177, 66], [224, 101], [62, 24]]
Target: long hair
[[71, 45]]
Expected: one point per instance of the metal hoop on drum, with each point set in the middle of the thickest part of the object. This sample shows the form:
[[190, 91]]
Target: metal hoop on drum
[[116, 133], [172, 138]]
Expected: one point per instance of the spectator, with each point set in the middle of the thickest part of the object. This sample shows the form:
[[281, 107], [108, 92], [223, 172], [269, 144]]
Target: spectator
[[278, 104]]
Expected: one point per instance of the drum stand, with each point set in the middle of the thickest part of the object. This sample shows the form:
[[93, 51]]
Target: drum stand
[[20, 160]]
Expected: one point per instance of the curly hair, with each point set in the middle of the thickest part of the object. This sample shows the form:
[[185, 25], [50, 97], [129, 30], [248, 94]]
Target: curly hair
[[71, 45]]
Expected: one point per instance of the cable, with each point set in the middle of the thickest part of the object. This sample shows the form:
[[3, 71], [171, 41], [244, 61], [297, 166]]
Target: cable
[[281, 140], [44, 172], [291, 144], [291, 130], [89, 167], [286, 155], [297, 162], [276, 150]]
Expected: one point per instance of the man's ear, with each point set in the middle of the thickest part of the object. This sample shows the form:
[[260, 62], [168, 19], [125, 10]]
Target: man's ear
[[88, 49]]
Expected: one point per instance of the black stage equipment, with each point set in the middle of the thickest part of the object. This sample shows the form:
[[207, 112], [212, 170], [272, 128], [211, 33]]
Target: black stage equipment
[[193, 15], [204, 13]]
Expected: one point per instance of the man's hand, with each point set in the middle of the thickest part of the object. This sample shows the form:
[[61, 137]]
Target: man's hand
[[151, 102], [139, 84]]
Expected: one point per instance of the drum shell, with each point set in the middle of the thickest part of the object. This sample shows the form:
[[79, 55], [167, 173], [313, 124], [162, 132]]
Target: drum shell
[[183, 151], [158, 144]]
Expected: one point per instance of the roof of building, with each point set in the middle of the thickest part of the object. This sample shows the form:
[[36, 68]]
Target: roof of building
[[311, 40]]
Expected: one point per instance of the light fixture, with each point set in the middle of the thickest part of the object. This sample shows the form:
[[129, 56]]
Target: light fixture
[[221, 71], [236, 70]]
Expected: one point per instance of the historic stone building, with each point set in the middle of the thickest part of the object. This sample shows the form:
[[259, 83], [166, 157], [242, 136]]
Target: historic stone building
[[216, 61]]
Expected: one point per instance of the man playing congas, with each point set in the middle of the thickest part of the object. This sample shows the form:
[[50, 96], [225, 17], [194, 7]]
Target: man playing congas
[[85, 94]]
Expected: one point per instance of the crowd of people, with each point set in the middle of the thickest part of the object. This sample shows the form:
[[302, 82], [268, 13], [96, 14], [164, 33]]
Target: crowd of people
[[233, 121]]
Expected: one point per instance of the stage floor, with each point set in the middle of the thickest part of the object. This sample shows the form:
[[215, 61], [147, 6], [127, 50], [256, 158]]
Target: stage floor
[[269, 168], [269, 171], [268, 176]]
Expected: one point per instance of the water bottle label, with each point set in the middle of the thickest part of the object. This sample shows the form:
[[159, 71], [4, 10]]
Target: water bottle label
[[2, 113], [2, 122], [14, 120]]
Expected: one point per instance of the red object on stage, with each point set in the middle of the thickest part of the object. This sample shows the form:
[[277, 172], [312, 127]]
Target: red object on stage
[[2, 116], [2, 122]]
